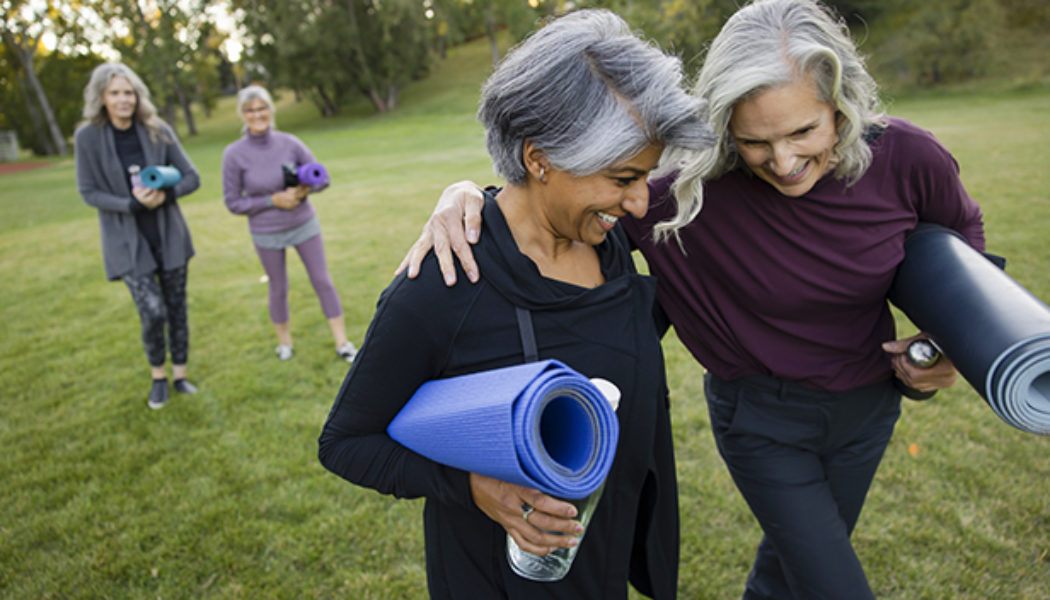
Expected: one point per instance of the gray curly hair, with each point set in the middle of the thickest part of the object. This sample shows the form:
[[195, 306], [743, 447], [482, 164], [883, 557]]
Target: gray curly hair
[[589, 93]]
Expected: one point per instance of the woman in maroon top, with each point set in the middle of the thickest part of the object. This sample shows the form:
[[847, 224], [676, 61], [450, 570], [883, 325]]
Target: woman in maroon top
[[778, 287]]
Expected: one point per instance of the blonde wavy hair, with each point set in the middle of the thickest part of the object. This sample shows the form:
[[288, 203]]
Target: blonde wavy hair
[[766, 44], [95, 106]]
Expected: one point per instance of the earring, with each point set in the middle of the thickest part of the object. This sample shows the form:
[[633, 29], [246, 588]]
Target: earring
[[543, 171]]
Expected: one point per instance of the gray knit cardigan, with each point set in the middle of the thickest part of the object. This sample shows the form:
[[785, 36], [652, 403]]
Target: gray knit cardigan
[[104, 184]]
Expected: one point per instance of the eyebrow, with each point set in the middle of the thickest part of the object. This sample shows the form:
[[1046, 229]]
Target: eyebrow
[[750, 138]]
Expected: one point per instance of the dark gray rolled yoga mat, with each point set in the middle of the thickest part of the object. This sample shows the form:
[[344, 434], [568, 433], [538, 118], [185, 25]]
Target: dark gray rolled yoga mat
[[995, 331]]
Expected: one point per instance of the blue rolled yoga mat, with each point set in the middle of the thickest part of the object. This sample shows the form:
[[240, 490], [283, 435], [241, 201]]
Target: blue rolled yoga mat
[[540, 425], [160, 177], [994, 330]]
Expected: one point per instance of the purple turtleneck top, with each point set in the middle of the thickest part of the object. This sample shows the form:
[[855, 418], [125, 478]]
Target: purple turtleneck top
[[251, 171]]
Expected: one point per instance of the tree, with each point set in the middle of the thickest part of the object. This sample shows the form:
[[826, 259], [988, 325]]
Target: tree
[[162, 41], [938, 41], [682, 27], [22, 25], [330, 49]]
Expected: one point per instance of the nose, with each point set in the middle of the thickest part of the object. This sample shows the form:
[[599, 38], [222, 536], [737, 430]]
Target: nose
[[782, 160], [636, 200]]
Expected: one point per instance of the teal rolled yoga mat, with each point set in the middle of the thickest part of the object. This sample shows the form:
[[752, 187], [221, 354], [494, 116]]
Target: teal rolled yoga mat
[[159, 177], [540, 424], [995, 331]]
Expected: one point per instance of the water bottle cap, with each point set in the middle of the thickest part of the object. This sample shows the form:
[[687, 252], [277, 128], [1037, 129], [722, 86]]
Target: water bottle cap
[[609, 390]]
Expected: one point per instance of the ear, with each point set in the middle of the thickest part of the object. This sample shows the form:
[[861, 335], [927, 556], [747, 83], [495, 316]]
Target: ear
[[534, 159]]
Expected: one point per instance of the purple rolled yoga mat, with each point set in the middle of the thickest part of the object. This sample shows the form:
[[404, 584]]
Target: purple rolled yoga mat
[[313, 174]]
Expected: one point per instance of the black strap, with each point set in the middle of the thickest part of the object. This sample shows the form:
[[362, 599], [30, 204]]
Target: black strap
[[528, 337]]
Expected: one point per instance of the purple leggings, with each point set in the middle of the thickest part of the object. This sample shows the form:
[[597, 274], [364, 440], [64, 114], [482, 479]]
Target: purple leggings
[[312, 254]]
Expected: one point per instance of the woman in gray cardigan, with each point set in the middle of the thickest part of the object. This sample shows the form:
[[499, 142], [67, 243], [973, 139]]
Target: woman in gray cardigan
[[145, 240]]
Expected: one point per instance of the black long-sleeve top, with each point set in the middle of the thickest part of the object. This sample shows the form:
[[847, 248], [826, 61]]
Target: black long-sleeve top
[[423, 330]]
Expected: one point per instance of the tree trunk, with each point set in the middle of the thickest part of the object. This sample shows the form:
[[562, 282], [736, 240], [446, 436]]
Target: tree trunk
[[34, 116], [366, 72], [170, 115], [184, 101], [490, 30], [25, 56], [328, 108]]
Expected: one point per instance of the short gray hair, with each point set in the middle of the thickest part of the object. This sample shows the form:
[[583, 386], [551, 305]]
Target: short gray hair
[[768, 43], [95, 93], [256, 92], [589, 93]]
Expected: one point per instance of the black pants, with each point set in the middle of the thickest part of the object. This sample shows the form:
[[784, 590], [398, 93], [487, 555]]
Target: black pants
[[161, 301], [803, 461]]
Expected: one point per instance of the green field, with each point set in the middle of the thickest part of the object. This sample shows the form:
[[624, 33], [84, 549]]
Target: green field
[[220, 495]]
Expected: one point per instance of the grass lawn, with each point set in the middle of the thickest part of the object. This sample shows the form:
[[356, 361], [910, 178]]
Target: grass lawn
[[220, 495]]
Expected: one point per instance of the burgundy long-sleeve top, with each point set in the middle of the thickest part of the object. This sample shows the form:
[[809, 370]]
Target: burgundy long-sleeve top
[[795, 288]]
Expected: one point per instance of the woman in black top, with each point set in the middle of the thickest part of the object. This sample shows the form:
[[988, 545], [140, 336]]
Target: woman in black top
[[576, 117], [145, 240]]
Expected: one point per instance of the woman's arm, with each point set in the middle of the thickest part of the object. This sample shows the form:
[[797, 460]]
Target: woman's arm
[[406, 345], [303, 155], [940, 198], [402, 350], [178, 158], [90, 183], [237, 202], [454, 225]]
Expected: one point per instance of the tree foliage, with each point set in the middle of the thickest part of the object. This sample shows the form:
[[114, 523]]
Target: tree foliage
[[331, 49], [22, 26], [63, 77]]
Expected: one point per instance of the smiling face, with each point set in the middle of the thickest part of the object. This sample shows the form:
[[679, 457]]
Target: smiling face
[[585, 209], [120, 102], [256, 115], [786, 135]]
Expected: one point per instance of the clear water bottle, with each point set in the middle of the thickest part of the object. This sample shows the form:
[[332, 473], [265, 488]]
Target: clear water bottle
[[136, 178], [555, 565]]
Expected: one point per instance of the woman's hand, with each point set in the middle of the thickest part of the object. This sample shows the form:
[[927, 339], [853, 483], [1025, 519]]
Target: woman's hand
[[502, 502], [289, 198], [454, 225], [149, 197], [939, 376]]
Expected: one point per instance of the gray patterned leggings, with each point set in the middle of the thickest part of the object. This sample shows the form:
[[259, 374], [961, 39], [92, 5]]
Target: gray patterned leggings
[[161, 300]]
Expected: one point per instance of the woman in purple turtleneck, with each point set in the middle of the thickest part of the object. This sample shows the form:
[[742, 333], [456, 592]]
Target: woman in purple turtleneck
[[279, 217]]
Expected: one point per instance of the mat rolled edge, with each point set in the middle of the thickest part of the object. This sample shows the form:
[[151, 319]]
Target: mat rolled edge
[[978, 314], [467, 422]]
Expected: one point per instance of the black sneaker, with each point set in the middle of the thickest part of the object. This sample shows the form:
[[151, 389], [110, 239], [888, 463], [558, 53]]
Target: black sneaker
[[183, 386], [158, 394]]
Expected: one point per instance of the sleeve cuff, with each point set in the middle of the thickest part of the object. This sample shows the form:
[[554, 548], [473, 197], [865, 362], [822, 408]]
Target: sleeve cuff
[[912, 393]]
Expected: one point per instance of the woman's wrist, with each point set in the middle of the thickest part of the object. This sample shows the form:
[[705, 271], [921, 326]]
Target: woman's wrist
[[269, 201]]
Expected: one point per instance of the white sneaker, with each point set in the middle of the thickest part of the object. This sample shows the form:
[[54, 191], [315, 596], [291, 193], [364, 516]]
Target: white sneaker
[[347, 351], [284, 351]]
